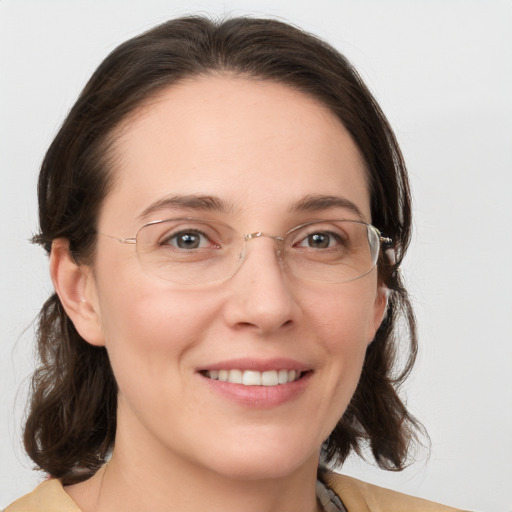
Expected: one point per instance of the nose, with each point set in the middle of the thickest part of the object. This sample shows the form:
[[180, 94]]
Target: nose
[[261, 297]]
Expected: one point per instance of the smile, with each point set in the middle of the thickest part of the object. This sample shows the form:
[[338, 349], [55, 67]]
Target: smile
[[254, 377]]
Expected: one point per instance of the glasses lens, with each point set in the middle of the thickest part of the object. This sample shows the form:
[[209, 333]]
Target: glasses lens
[[188, 251], [332, 251], [196, 252]]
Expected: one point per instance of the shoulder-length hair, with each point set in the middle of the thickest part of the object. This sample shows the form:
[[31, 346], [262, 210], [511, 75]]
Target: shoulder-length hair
[[71, 423]]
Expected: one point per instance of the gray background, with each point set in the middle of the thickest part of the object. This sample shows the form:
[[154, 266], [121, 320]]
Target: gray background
[[442, 71]]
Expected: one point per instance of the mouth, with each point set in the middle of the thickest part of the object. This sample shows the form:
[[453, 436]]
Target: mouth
[[267, 378], [256, 383]]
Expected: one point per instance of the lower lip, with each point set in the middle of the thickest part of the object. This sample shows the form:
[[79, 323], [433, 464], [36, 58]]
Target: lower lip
[[259, 397]]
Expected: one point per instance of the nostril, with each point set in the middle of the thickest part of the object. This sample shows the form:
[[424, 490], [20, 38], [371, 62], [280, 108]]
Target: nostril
[[259, 326]]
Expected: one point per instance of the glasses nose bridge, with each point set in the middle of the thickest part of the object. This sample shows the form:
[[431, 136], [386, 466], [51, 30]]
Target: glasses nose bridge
[[261, 234]]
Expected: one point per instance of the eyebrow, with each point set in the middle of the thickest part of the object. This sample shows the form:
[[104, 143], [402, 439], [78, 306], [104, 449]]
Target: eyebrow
[[188, 202], [317, 203], [310, 203]]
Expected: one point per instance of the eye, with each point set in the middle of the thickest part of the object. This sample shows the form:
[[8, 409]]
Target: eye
[[188, 240], [183, 240], [321, 240]]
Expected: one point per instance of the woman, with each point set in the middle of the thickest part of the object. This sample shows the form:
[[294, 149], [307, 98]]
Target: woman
[[224, 319]]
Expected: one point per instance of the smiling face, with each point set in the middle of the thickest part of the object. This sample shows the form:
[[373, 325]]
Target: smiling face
[[257, 156]]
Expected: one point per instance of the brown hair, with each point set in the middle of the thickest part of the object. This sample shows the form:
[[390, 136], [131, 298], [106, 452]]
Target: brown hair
[[71, 424]]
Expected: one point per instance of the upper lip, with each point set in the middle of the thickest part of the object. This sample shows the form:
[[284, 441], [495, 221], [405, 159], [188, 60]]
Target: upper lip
[[260, 365]]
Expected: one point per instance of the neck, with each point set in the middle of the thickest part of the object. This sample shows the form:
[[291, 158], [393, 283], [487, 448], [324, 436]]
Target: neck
[[133, 481]]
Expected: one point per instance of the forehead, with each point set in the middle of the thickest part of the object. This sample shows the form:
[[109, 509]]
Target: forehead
[[258, 145]]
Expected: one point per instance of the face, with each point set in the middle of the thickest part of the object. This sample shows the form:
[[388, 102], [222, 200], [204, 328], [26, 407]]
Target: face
[[261, 149]]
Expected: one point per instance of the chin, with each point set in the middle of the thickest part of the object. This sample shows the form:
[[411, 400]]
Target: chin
[[259, 470], [250, 461]]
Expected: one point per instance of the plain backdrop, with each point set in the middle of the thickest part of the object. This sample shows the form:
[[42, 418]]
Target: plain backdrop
[[442, 72]]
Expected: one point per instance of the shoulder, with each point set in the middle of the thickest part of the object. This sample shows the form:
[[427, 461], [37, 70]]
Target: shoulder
[[363, 497], [50, 496]]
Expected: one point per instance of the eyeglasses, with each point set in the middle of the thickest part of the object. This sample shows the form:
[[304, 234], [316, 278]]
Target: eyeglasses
[[190, 251]]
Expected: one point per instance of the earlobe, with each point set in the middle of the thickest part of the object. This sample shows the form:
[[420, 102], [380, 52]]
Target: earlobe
[[383, 298], [75, 286], [380, 308]]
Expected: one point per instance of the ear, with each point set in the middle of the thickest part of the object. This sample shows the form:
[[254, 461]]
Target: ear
[[380, 308], [76, 288]]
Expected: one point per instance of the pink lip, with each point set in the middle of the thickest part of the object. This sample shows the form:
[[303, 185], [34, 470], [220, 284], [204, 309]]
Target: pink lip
[[261, 365], [258, 397]]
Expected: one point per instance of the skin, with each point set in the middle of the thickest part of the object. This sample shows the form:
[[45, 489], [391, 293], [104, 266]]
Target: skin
[[261, 148]]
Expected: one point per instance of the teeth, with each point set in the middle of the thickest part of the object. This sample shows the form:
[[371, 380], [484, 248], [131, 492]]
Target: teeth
[[253, 377], [250, 378], [282, 376], [269, 378], [235, 376]]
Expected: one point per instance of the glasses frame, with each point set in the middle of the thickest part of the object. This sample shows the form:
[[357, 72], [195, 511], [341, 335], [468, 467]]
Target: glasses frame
[[385, 243]]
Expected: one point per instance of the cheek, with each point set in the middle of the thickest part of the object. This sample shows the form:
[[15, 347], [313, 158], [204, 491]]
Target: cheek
[[151, 335], [344, 324], [340, 323], [345, 316], [148, 327]]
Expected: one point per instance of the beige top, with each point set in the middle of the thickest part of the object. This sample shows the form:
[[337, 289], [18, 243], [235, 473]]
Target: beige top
[[357, 496]]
